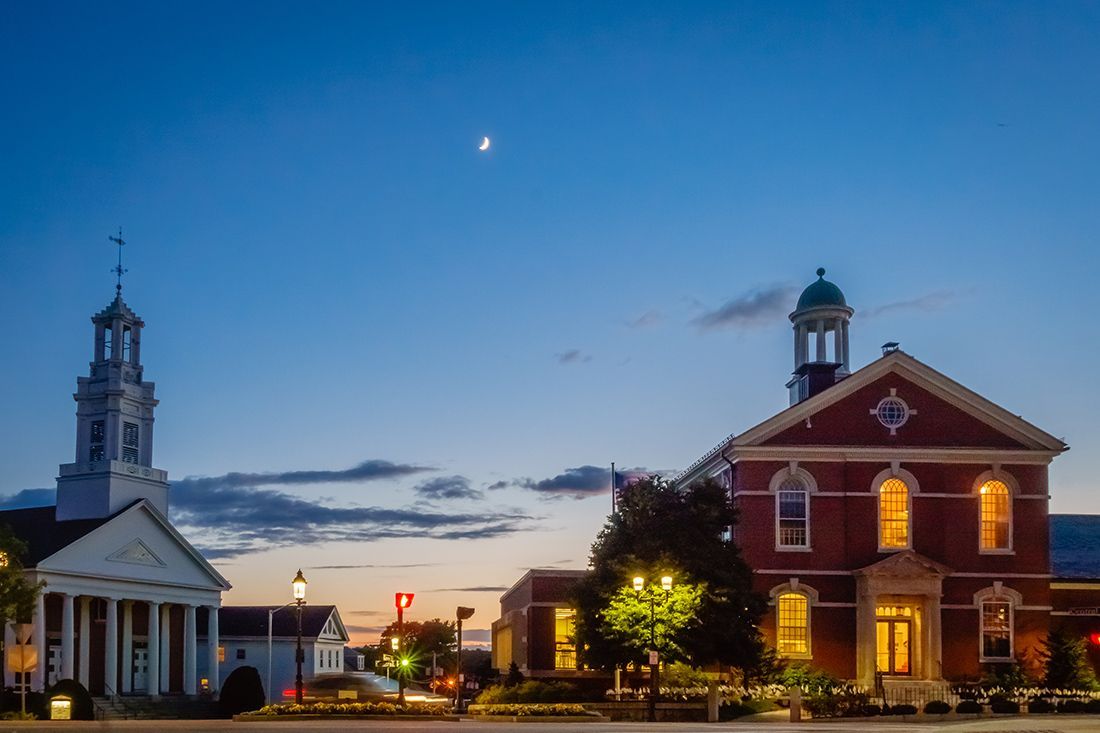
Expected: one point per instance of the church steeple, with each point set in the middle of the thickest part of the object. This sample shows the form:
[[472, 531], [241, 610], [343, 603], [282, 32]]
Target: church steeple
[[113, 466]]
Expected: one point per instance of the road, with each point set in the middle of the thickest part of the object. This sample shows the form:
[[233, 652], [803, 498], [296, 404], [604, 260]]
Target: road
[[1023, 724]]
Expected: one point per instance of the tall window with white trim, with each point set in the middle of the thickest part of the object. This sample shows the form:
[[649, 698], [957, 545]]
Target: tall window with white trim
[[792, 511], [792, 633], [996, 515], [893, 514], [996, 629]]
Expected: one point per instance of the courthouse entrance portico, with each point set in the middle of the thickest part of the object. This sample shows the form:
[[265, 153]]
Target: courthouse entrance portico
[[898, 620]]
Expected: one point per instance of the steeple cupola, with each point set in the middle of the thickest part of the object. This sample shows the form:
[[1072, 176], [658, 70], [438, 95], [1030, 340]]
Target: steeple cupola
[[821, 357], [113, 465]]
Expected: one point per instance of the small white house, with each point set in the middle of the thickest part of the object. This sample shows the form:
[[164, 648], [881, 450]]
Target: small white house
[[243, 634]]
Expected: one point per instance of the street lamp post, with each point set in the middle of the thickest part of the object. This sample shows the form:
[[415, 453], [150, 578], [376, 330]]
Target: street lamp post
[[650, 592], [299, 586], [402, 601], [462, 614]]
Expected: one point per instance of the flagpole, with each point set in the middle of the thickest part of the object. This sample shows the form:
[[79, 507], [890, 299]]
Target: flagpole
[[613, 488]]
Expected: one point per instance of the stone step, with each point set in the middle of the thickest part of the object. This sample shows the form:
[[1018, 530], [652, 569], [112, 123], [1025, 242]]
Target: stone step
[[144, 708]]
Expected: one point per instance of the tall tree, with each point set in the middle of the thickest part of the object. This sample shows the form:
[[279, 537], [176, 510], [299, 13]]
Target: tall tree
[[662, 530], [17, 594]]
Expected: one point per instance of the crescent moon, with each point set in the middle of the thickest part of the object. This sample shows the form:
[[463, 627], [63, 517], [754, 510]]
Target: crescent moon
[[484, 144]]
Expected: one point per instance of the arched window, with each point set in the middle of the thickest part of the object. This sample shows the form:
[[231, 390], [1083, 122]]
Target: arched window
[[996, 622], [792, 625], [995, 500], [893, 514], [792, 513]]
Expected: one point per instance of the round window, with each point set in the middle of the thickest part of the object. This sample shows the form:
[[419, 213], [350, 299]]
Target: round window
[[892, 412]]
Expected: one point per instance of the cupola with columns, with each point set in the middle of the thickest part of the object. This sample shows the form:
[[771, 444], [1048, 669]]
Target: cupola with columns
[[821, 357]]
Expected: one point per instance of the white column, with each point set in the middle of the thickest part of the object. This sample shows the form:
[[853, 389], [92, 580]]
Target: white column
[[9, 649], [820, 339], [803, 345], [838, 341], [934, 621], [127, 660], [85, 641], [68, 634], [847, 360], [212, 644], [190, 652], [110, 650], [152, 674], [165, 647], [796, 330], [38, 677]]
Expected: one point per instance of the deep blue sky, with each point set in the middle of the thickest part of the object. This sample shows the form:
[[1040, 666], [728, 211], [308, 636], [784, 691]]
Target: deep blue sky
[[331, 272]]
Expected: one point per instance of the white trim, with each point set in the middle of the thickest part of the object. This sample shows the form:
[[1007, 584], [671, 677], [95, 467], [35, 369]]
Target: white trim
[[998, 593], [870, 453], [1013, 486], [794, 587], [912, 488], [809, 485], [789, 571]]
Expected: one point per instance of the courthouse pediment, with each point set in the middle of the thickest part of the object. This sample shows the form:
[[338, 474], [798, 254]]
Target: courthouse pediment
[[905, 564]]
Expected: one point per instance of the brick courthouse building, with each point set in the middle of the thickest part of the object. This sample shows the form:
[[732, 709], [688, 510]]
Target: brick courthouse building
[[896, 520]]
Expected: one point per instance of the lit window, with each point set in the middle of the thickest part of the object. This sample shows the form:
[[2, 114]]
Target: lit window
[[996, 629], [893, 514], [793, 514], [565, 645], [792, 635], [221, 653], [996, 511]]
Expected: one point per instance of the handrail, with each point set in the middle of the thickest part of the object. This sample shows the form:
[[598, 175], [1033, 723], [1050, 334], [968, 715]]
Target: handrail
[[116, 699]]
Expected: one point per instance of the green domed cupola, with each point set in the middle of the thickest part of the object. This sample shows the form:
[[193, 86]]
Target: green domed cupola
[[820, 293]]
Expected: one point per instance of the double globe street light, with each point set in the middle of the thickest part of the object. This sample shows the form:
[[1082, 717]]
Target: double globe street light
[[650, 592]]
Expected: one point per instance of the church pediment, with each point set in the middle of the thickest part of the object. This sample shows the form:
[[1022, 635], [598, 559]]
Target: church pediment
[[905, 564], [138, 553]]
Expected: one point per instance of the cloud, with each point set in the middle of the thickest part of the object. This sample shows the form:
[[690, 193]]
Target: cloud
[[371, 470], [500, 485], [447, 487], [753, 309], [649, 318], [472, 589], [476, 635], [226, 518], [354, 629], [28, 498], [358, 567], [578, 483], [929, 302], [573, 356]]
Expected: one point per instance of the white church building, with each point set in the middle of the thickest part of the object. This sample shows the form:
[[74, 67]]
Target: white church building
[[125, 592]]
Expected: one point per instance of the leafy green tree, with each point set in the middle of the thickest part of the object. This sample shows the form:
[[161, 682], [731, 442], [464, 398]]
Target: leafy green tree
[[662, 530], [1066, 657], [652, 619], [17, 594]]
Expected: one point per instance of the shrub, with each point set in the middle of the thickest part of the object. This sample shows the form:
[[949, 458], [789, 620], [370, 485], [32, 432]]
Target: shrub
[[524, 711], [350, 708], [1039, 705], [83, 708], [903, 710], [740, 708], [809, 679], [968, 707], [1004, 706], [937, 707], [872, 710], [243, 691], [1072, 707], [842, 702], [1067, 662], [684, 675], [531, 691], [18, 715]]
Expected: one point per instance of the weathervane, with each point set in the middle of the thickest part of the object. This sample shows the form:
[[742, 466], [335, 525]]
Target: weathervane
[[118, 268]]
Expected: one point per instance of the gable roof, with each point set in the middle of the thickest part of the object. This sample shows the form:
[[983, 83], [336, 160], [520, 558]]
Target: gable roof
[[900, 363], [45, 536], [39, 529], [1075, 546], [252, 621]]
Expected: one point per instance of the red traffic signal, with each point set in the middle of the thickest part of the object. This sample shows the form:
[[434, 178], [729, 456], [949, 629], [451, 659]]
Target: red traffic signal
[[1095, 638], [403, 600]]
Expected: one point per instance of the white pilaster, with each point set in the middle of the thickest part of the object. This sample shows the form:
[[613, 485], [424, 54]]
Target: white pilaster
[[152, 674], [190, 651], [212, 644], [68, 636], [165, 647], [110, 650], [85, 641], [38, 677], [127, 665]]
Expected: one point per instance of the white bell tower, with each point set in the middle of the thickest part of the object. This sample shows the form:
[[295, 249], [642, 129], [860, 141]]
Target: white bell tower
[[821, 316], [114, 423]]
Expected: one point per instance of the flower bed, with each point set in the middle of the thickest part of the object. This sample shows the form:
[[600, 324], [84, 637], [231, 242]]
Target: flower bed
[[526, 710], [350, 709]]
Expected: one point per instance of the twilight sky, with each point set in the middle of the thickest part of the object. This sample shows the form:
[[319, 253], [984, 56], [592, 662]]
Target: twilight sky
[[396, 362]]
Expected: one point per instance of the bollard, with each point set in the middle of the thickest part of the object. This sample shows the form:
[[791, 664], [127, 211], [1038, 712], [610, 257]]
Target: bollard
[[712, 701], [795, 694]]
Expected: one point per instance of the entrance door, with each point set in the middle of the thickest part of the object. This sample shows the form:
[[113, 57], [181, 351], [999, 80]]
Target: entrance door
[[141, 669], [893, 646], [53, 664]]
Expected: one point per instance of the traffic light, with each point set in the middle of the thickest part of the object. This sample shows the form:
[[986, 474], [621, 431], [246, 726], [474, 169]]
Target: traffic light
[[403, 600]]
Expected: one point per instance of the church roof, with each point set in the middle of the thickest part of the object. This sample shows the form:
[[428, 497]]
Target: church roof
[[117, 309], [1075, 546], [252, 621], [820, 293], [39, 529]]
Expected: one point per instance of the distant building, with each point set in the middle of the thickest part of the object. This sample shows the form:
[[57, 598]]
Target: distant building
[[125, 591], [243, 634], [535, 628]]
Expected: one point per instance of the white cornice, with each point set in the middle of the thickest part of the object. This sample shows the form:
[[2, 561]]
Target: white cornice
[[843, 453]]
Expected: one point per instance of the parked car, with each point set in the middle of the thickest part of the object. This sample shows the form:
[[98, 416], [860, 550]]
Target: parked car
[[362, 687]]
